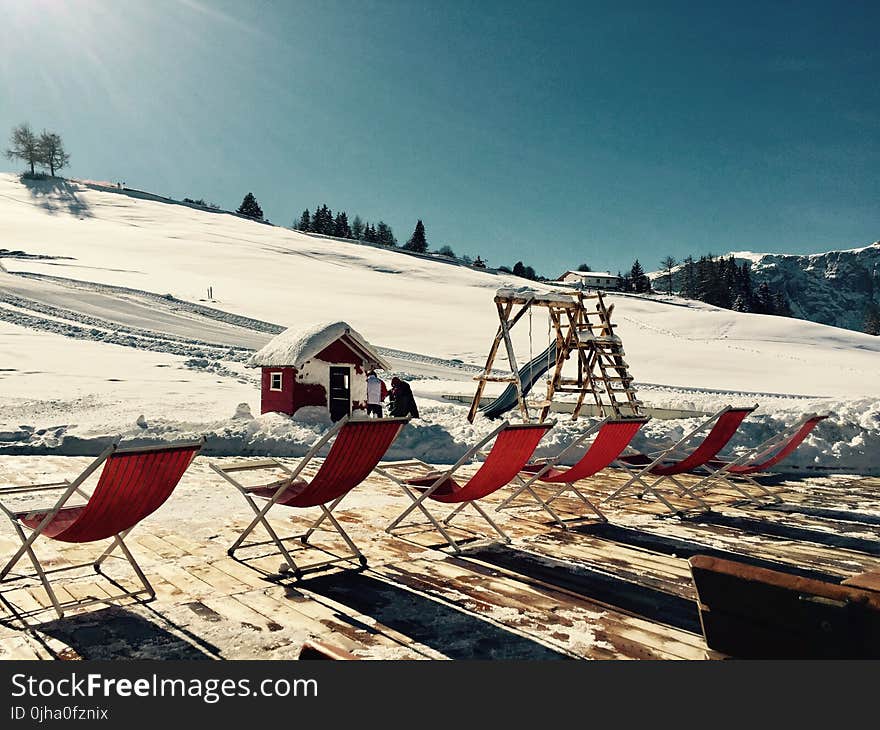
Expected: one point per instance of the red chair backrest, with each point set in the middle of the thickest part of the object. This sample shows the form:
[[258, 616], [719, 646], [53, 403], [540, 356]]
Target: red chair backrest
[[786, 449], [358, 447], [133, 484], [716, 440], [513, 447], [612, 439]]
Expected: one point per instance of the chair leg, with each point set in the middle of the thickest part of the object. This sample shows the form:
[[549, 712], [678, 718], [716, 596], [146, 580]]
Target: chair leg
[[113, 545], [261, 519], [448, 519], [28, 549], [586, 501], [652, 489], [524, 486], [317, 524], [137, 568], [418, 504], [685, 493], [544, 504], [327, 513], [488, 519]]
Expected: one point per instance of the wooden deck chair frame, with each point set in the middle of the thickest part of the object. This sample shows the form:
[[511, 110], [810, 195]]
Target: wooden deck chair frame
[[71, 488], [728, 475], [419, 496], [260, 512], [527, 485], [677, 450]]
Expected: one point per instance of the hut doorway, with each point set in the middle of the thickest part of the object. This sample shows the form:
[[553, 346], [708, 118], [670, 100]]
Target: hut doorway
[[340, 393]]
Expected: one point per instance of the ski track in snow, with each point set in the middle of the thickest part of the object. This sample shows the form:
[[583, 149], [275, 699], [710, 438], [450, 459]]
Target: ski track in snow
[[154, 340]]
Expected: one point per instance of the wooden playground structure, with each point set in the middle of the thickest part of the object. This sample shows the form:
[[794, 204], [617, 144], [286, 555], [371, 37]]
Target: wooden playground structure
[[580, 326]]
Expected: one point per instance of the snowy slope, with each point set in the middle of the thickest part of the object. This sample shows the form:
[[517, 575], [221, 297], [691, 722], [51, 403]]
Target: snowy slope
[[123, 270]]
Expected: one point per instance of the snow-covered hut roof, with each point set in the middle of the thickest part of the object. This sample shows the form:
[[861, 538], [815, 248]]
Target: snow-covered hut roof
[[293, 347]]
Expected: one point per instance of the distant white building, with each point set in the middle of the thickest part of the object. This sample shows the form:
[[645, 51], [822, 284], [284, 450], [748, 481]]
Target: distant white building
[[591, 279]]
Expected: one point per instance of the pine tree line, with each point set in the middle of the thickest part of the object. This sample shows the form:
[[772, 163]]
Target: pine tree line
[[724, 283], [324, 222]]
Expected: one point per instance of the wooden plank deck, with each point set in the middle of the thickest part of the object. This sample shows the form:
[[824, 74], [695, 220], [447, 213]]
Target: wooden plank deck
[[616, 590]]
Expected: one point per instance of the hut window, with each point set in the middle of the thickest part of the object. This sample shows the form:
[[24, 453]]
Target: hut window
[[275, 381]]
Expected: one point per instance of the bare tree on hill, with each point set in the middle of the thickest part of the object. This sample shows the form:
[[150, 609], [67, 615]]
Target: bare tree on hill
[[51, 151], [24, 145]]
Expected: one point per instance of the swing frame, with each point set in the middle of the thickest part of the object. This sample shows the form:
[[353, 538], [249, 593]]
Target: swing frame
[[582, 327]]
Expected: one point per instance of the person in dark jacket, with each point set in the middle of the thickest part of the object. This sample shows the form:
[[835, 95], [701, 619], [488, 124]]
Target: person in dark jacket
[[400, 400]]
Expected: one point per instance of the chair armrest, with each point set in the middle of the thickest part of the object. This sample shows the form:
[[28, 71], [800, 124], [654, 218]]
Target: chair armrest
[[34, 488], [250, 466]]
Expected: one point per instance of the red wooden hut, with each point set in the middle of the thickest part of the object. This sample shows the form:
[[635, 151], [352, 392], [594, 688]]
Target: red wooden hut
[[323, 366]]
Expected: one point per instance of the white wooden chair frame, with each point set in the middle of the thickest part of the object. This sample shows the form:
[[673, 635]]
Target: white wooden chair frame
[[637, 474], [419, 496], [549, 463], [70, 488], [761, 451], [289, 564]]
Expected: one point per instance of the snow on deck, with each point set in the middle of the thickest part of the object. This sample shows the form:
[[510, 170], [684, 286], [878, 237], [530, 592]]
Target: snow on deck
[[597, 591]]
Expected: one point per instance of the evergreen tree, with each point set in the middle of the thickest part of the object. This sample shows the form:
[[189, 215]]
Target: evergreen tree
[[764, 299], [384, 234], [250, 207], [872, 319], [744, 290], [584, 267], [626, 283], [668, 264], [689, 285], [417, 242], [322, 221], [479, 263], [519, 269], [357, 228], [305, 221], [24, 145], [341, 228], [739, 304], [640, 282], [446, 251], [370, 233], [781, 306]]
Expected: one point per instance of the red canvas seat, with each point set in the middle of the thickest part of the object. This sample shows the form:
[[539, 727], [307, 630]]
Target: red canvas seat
[[133, 484], [513, 446], [676, 460], [611, 437], [761, 462], [736, 472], [358, 445]]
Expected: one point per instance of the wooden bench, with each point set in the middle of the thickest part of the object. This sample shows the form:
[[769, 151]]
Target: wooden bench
[[750, 612]]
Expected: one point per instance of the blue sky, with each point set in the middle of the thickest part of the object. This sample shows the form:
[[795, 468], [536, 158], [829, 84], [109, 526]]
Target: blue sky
[[551, 132]]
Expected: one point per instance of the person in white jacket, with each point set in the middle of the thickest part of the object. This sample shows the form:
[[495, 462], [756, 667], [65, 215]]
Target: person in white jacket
[[376, 392]]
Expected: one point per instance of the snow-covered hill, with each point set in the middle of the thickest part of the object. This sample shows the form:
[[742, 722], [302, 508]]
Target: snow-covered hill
[[104, 316]]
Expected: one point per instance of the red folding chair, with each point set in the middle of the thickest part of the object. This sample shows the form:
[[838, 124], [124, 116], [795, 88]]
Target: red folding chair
[[611, 438], [757, 461], [133, 484], [675, 460], [514, 445], [358, 445]]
